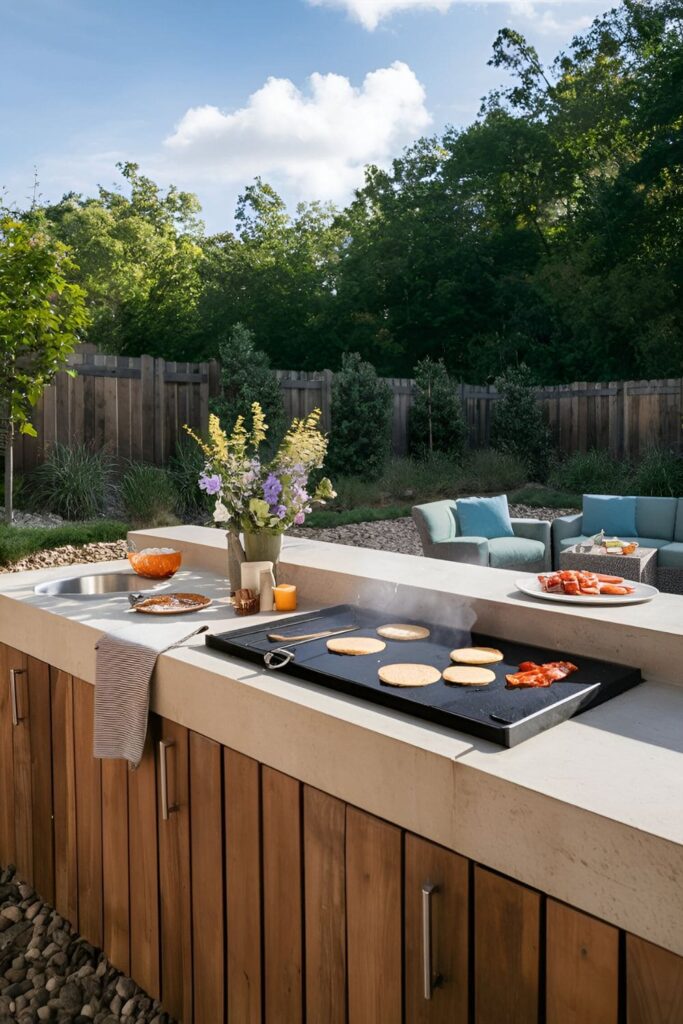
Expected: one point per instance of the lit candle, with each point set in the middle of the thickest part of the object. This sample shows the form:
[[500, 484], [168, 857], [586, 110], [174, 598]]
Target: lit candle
[[285, 597]]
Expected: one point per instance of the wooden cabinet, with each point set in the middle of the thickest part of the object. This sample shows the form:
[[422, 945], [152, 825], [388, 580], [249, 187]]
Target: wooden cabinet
[[436, 885], [240, 895], [26, 837]]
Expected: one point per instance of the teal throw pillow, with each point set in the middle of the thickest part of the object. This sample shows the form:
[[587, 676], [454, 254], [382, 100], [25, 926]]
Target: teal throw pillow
[[484, 517], [615, 515]]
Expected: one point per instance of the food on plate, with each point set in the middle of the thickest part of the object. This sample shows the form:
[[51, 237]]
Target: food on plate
[[463, 675], [169, 604], [355, 645], [532, 675], [403, 631], [408, 675], [576, 583], [476, 655]]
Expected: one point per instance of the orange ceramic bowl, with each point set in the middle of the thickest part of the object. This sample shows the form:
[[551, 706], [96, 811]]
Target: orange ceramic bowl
[[155, 565]]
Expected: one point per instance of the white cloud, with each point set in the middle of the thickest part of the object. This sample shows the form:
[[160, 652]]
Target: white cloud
[[371, 12], [315, 143]]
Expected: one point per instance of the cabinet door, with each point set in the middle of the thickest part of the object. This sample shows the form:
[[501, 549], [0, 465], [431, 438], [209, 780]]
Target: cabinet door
[[243, 881], [26, 768], [64, 796], [436, 933], [654, 983], [282, 898], [88, 790], [325, 906], [507, 920], [143, 855], [175, 911], [582, 967], [9, 660], [115, 864], [373, 908], [208, 887]]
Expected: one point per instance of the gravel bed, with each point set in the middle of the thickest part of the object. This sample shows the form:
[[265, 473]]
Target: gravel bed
[[70, 554], [400, 534], [50, 973], [32, 518]]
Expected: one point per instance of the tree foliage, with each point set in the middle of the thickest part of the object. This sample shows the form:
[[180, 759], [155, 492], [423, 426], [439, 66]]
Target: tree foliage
[[246, 377], [517, 425], [549, 231]]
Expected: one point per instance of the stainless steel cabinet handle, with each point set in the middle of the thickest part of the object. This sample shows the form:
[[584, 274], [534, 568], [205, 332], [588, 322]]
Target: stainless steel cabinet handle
[[428, 891], [13, 673], [166, 808]]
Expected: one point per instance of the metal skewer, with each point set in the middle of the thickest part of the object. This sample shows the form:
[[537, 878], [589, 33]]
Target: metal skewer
[[281, 656]]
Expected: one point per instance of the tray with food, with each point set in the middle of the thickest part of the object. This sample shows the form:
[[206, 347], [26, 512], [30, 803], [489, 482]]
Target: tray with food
[[577, 587], [489, 687]]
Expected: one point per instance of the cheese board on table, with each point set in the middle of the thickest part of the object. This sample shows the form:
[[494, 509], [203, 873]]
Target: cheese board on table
[[499, 710]]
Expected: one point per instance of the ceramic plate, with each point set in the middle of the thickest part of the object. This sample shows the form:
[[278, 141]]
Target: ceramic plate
[[643, 592], [172, 604]]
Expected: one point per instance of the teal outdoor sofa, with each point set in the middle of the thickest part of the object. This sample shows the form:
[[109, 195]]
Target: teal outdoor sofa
[[529, 550], [659, 524]]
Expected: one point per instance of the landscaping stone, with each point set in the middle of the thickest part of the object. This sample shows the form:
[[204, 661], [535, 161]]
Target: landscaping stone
[[70, 554], [49, 973]]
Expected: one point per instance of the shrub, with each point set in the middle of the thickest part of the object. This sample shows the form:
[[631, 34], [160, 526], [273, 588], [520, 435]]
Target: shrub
[[659, 472], [353, 492], [73, 481], [436, 422], [488, 470], [246, 377], [592, 472], [184, 467], [148, 495], [361, 420], [517, 425], [434, 476]]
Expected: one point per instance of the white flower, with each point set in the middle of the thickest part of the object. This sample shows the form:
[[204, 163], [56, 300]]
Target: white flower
[[220, 514]]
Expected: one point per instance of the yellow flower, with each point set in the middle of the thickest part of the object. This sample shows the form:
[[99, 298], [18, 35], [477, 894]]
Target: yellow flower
[[217, 435]]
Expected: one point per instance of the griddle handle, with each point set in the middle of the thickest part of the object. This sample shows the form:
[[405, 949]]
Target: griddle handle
[[278, 658]]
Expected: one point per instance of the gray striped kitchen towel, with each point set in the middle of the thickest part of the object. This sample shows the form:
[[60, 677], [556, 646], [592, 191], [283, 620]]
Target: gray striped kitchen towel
[[124, 663]]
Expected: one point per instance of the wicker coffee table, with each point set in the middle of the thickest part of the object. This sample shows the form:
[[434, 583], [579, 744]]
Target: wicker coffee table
[[641, 566]]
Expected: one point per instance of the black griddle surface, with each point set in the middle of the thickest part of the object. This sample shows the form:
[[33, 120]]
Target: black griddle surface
[[493, 712]]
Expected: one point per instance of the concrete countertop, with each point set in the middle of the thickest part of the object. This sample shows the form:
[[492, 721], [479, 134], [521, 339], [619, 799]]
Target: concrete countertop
[[590, 812]]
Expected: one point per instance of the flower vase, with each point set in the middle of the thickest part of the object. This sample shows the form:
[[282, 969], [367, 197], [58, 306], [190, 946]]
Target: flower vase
[[236, 556], [261, 546]]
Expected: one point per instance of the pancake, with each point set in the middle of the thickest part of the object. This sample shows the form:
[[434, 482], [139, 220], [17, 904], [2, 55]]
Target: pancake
[[476, 655], [355, 645], [408, 675], [463, 675], [403, 631]]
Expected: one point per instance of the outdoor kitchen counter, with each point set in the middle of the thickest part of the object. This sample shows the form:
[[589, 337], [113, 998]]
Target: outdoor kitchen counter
[[590, 812]]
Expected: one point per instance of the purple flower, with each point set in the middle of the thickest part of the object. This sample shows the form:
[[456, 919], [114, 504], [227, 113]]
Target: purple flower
[[272, 488], [210, 484], [299, 518], [280, 511]]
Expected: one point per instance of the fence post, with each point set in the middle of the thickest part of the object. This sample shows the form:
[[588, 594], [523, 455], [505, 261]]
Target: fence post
[[326, 399], [159, 411], [147, 418]]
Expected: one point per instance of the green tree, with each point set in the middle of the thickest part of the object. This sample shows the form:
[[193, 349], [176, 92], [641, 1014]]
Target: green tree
[[139, 260], [517, 425], [246, 377], [360, 439], [42, 313], [436, 421]]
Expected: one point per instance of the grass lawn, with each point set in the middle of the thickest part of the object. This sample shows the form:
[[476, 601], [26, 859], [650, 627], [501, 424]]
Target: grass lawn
[[17, 542]]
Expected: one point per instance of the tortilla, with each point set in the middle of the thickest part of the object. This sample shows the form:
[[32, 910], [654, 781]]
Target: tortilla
[[355, 645], [408, 675], [461, 675], [476, 655], [403, 631]]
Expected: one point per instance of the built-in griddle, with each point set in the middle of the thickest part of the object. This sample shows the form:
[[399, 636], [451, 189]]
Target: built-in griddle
[[505, 716]]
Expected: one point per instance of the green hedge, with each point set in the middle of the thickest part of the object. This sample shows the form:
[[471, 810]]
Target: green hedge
[[17, 542]]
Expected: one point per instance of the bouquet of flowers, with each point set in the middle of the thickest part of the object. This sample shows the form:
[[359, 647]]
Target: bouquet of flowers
[[253, 495]]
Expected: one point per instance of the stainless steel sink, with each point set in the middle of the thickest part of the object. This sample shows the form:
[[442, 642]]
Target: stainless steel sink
[[96, 584]]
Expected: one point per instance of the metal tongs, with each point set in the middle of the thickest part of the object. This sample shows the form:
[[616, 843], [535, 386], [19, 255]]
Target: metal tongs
[[281, 656]]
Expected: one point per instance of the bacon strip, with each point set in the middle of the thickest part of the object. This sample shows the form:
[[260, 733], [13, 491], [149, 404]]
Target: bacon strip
[[532, 675]]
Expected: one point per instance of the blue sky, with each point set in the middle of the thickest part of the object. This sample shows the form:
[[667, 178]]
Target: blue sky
[[208, 94]]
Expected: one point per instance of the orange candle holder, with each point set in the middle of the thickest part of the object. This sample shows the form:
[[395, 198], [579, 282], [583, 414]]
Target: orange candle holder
[[285, 597]]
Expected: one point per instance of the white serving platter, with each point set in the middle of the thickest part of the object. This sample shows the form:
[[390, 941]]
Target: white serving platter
[[643, 592]]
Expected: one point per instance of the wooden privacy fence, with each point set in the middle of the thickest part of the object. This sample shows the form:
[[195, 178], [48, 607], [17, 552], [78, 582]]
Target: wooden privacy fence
[[136, 407]]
